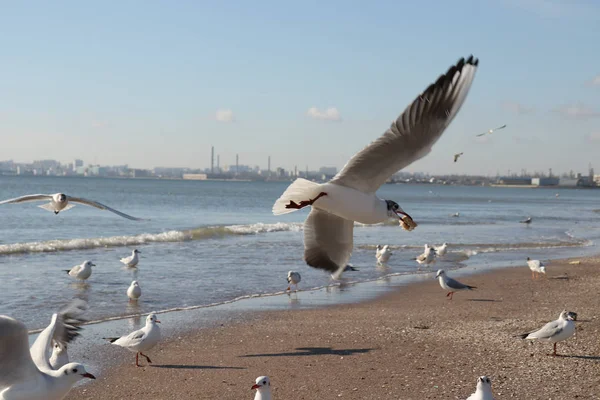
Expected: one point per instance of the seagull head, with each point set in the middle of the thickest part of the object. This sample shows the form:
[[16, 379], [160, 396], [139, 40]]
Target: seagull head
[[135, 283], [394, 210], [60, 197], [89, 264], [136, 251], [152, 319], [75, 372], [483, 383], [263, 384], [440, 272]]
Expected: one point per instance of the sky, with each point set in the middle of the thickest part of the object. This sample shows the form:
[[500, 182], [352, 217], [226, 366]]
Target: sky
[[157, 83]]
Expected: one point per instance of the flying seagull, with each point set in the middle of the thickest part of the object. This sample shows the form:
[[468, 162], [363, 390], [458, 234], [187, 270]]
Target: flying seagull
[[61, 202], [350, 195], [491, 131], [456, 156], [21, 378]]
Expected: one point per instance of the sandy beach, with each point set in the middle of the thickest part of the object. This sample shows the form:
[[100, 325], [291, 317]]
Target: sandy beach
[[411, 344]]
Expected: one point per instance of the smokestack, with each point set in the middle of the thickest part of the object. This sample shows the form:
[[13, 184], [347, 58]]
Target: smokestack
[[212, 160]]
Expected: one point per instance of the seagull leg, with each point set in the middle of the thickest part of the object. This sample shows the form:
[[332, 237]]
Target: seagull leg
[[304, 203], [147, 358], [137, 361], [554, 354]]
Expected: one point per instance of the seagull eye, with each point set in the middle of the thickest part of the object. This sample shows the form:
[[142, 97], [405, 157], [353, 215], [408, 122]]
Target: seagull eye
[[264, 382], [75, 370]]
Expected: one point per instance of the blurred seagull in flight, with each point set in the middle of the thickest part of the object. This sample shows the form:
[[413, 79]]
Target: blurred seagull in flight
[[491, 131]]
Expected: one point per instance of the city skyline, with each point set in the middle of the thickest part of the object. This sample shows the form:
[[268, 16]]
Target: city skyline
[[312, 89]]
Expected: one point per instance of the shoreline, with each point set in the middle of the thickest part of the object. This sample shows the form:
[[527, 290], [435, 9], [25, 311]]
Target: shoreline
[[349, 348]]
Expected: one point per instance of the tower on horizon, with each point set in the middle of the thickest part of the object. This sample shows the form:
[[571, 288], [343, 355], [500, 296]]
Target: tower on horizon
[[212, 159], [218, 163], [269, 165]]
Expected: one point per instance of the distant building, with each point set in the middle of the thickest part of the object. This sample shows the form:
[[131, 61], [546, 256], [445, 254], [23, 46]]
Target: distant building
[[195, 177], [328, 170], [545, 181], [77, 164], [569, 182], [514, 180]]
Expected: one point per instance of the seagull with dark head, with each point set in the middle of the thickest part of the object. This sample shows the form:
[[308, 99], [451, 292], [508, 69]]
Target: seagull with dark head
[[351, 195]]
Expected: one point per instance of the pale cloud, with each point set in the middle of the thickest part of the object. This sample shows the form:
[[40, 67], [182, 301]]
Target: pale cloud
[[558, 9], [224, 115], [577, 111], [595, 81], [594, 137], [329, 114], [517, 108]]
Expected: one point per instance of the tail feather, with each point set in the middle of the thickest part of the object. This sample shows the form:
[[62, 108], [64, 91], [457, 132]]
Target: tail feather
[[67, 270], [111, 339], [523, 335], [47, 207], [300, 189], [472, 287]]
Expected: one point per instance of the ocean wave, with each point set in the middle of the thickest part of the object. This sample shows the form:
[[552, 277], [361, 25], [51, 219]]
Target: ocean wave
[[471, 249]]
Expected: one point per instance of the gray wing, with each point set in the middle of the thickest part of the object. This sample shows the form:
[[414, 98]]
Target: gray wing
[[547, 331], [454, 284], [413, 134], [16, 365], [328, 240], [482, 134], [29, 197], [63, 328], [102, 207]]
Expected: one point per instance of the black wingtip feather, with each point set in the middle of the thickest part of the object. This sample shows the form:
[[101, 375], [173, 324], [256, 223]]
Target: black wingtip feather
[[112, 340], [522, 335]]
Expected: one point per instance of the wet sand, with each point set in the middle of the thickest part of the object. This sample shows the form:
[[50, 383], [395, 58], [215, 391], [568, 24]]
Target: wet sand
[[410, 344]]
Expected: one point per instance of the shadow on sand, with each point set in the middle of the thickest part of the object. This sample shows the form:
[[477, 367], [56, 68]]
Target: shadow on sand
[[171, 366], [313, 351]]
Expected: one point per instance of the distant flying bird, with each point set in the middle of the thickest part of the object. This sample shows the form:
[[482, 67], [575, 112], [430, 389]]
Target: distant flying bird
[[351, 195], [61, 202], [491, 131], [456, 156]]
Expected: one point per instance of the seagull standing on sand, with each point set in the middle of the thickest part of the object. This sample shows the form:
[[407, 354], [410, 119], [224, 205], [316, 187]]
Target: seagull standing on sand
[[61, 202], [134, 291], [133, 260], [450, 284], [441, 251], [456, 156], [526, 221], [491, 131], [293, 278], [20, 378], [383, 254], [141, 340], [263, 388], [428, 256], [63, 329], [82, 271], [555, 331], [536, 266], [350, 195], [484, 389]]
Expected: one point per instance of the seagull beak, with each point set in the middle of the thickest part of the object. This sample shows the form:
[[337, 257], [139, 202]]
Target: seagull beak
[[255, 387], [93, 265], [157, 321], [88, 375]]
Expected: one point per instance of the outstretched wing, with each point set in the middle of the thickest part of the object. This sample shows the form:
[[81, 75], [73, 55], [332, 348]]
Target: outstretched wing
[[413, 134], [102, 207], [29, 197], [16, 365], [328, 240]]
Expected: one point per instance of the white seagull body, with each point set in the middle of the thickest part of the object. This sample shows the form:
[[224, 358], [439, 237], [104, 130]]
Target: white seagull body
[[62, 202], [383, 254], [484, 389], [441, 251], [20, 378], [427, 257], [536, 266], [263, 388], [134, 291], [350, 195], [141, 340], [555, 331], [451, 285], [491, 131], [293, 278], [82, 271], [133, 260]]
